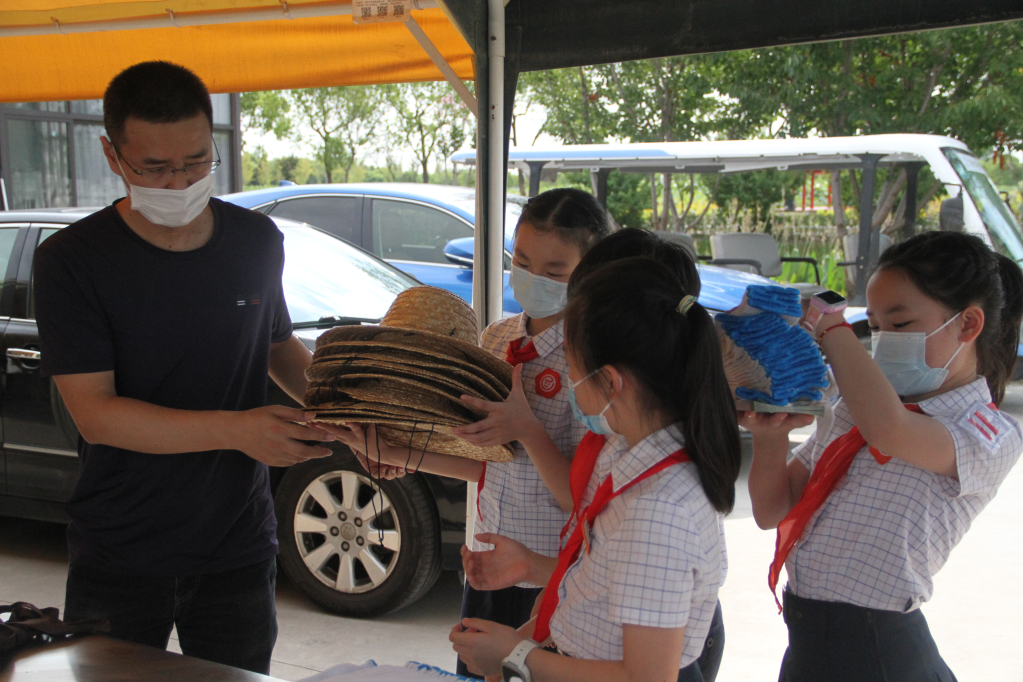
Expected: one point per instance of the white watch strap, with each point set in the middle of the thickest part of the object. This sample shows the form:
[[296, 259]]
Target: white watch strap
[[517, 658]]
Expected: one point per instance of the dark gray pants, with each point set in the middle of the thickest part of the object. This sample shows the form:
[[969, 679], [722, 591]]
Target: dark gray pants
[[836, 642]]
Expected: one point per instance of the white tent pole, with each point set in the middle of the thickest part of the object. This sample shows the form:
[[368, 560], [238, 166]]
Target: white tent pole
[[182, 19], [494, 285], [488, 276], [438, 59]]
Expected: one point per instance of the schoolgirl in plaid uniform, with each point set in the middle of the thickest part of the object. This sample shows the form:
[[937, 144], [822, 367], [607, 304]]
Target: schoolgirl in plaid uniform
[[526, 500], [626, 243], [870, 507], [634, 589]]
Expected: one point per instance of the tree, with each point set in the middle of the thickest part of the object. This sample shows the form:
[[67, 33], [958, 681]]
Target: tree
[[265, 112], [657, 100], [429, 120], [966, 83], [337, 122]]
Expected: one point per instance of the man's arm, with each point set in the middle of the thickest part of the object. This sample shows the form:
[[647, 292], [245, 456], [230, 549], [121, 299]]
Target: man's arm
[[288, 362], [266, 434]]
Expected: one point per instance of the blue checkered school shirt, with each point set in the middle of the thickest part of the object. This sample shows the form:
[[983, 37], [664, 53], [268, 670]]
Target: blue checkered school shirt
[[656, 556], [886, 530], [514, 501]]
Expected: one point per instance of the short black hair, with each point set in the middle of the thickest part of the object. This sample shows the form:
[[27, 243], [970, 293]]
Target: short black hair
[[574, 215], [155, 92]]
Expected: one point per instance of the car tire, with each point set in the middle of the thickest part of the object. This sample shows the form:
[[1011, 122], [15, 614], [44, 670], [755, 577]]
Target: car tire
[[388, 544]]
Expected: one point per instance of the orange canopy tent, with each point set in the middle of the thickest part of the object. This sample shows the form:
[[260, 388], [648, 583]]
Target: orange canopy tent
[[70, 49]]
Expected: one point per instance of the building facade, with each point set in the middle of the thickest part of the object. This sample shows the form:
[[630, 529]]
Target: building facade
[[51, 157]]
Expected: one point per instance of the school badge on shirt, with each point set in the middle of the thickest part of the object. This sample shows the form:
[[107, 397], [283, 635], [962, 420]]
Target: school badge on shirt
[[986, 424], [548, 383]]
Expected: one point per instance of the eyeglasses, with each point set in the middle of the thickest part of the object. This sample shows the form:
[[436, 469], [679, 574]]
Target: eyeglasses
[[192, 171]]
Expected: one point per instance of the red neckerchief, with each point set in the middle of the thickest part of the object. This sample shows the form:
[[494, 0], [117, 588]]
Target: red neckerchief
[[582, 470], [833, 466], [516, 355]]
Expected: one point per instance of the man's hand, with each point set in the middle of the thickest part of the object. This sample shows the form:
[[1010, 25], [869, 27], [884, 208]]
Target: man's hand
[[506, 421], [508, 564], [483, 644], [271, 435]]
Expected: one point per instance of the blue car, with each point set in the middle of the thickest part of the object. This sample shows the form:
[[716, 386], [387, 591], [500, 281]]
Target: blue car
[[427, 232]]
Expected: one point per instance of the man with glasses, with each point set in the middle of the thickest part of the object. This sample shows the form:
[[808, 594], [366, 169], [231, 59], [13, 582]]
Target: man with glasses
[[159, 318]]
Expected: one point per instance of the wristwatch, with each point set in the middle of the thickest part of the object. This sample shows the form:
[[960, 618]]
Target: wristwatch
[[820, 305], [513, 668]]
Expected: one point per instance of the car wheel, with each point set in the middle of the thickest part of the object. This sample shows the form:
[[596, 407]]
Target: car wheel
[[353, 548]]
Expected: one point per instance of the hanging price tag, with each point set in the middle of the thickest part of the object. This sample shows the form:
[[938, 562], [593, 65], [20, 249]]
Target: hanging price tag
[[375, 11]]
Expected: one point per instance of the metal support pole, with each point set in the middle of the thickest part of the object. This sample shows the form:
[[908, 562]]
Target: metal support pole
[[488, 257], [438, 59], [866, 252], [535, 169], [598, 179], [912, 176]]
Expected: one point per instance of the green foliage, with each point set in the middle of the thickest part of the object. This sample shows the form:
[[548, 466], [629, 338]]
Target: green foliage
[[756, 191], [626, 198], [963, 82], [429, 120]]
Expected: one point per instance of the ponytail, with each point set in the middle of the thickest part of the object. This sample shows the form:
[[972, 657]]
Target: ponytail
[[626, 314], [958, 270], [1005, 348]]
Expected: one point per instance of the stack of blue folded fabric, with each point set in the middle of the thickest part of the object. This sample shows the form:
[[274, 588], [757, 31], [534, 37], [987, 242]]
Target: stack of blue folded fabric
[[787, 354]]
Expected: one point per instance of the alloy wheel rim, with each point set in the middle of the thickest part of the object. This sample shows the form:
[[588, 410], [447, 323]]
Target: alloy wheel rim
[[347, 532]]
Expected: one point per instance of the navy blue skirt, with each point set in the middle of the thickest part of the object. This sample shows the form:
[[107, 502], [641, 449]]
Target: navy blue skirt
[[836, 642]]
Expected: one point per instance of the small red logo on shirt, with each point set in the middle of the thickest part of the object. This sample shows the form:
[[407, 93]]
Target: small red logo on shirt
[[548, 383]]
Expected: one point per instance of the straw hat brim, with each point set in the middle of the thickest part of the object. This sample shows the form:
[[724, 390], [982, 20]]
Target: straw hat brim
[[393, 391], [425, 342], [361, 417], [418, 436], [443, 442], [459, 381], [401, 354]]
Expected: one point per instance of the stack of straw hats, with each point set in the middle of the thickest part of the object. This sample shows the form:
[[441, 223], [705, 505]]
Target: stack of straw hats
[[407, 375]]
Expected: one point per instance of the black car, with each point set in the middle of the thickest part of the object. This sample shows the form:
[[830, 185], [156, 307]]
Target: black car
[[352, 546]]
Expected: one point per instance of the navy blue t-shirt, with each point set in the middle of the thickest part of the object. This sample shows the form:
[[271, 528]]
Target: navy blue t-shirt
[[188, 330]]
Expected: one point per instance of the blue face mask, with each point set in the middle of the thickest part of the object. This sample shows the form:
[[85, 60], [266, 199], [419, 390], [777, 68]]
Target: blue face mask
[[902, 358], [597, 423], [539, 296]]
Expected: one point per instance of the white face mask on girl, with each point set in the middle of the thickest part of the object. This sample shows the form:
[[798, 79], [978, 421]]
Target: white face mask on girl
[[170, 207], [539, 296], [902, 358]]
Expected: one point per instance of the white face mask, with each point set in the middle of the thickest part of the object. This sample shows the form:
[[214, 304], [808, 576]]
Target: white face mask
[[902, 358], [170, 207], [539, 296]]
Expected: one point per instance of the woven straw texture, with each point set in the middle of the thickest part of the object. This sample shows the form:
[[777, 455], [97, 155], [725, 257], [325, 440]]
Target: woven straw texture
[[407, 375]]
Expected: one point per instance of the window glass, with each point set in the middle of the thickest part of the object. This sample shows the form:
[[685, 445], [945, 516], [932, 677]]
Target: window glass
[[44, 234], [221, 109], [1001, 226], [222, 178], [87, 106], [8, 236], [324, 277], [95, 184], [341, 216], [40, 173], [412, 232], [40, 106]]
